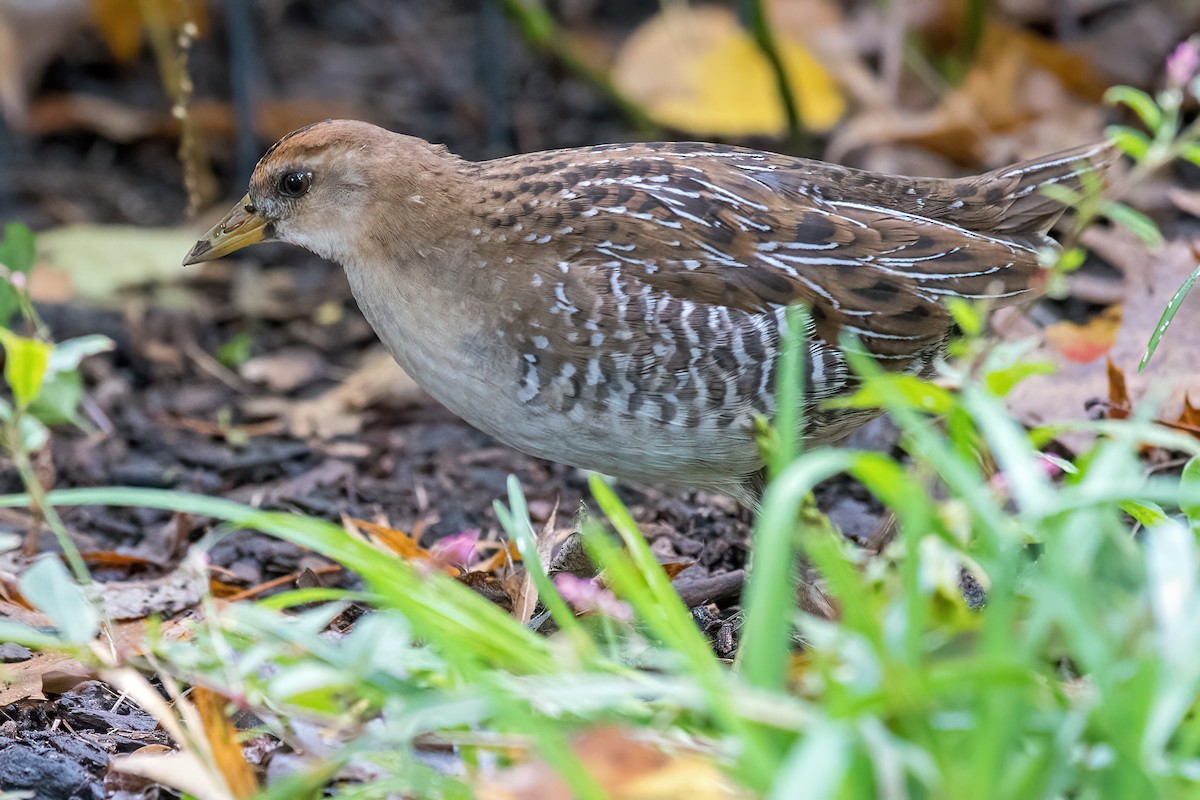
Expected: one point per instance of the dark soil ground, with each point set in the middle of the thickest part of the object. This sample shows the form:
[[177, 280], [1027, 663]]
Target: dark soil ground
[[166, 413]]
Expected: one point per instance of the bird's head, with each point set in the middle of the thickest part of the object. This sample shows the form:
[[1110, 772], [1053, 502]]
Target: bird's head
[[336, 188]]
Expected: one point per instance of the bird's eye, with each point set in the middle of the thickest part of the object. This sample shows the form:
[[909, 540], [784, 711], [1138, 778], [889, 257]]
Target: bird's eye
[[294, 184]]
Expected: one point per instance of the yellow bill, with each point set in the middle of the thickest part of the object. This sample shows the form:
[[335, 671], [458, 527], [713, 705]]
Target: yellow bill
[[241, 227]]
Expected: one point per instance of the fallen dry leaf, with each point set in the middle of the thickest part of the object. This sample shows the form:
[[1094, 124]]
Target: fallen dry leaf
[[1017, 82], [821, 27], [1151, 278], [176, 591], [223, 739], [397, 542], [26, 679], [285, 370], [1087, 341], [695, 68], [99, 263], [191, 768], [337, 412], [626, 768]]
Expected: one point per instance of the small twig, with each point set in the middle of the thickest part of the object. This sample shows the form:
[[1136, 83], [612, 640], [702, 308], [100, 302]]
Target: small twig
[[282, 580], [711, 589], [539, 29]]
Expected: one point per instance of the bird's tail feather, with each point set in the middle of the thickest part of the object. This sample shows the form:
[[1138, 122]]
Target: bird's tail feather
[[1027, 208]]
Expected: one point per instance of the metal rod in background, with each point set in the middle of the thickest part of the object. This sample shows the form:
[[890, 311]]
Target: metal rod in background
[[492, 64], [243, 63]]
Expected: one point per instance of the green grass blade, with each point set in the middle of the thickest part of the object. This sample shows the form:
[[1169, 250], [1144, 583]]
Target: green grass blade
[[515, 519], [770, 596], [1168, 316], [789, 392], [462, 623]]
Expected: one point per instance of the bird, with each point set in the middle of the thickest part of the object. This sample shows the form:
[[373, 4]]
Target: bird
[[621, 308]]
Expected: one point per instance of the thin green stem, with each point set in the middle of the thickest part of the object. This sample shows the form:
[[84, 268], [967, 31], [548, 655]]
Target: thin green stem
[[538, 27], [760, 28], [37, 498]]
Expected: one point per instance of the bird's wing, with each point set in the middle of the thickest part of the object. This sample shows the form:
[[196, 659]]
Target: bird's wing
[[752, 231]]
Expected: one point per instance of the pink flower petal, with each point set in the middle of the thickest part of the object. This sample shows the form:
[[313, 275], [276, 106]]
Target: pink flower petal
[[585, 594], [458, 548], [1183, 63]]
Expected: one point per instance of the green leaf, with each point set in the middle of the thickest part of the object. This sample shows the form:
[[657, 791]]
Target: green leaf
[[1130, 141], [1137, 222], [18, 250], [463, 624], [58, 402], [1071, 260], [69, 354], [20, 634], [1061, 194], [914, 392], [49, 586], [967, 315], [1168, 315], [1141, 103], [10, 302], [1191, 153], [236, 351], [1000, 382], [1189, 482], [34, 434], [1147, 514], [25, 365], [62, 389], [789, 419]]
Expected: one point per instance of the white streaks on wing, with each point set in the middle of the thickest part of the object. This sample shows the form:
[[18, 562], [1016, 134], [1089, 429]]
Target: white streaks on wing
[[915, 259], [730, 196], [820, 291], [916, 219], [777, 264], [770, 247], [746, 223], [818, 261], [877, 335], [724, 259], [969, 296], [1043, 165]]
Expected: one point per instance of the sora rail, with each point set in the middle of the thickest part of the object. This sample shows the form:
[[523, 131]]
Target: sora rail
[[620, 308]]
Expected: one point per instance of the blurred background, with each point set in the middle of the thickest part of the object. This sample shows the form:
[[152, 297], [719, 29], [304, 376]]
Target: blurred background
[[95, 93]]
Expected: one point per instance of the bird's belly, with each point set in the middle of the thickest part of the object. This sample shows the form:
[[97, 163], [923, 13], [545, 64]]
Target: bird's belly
[[594, 435], [475, 372]]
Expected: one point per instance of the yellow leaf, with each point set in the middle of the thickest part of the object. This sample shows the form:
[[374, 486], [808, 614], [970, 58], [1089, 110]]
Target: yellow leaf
[[121, 22], [697, 69]]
